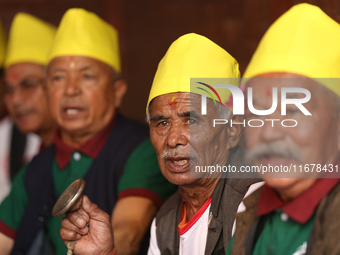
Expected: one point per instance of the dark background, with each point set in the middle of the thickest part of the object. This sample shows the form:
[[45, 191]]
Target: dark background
[[147, 28]]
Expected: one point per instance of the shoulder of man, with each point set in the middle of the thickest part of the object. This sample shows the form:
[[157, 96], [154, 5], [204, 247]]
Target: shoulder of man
[[244, 220], [326, 230], [167, 208], [39, 168], [167, 220]]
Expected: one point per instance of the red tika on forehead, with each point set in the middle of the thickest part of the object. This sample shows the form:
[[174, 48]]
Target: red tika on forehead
[[268, 92], [15, 77], [172, 103]]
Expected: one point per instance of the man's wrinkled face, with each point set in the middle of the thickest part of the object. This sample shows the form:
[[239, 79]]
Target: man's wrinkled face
[[182, 136], [313, 141], [83, 94], [25, 95]]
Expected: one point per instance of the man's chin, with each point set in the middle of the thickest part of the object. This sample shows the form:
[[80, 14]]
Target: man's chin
[[26, 127], [180, 179], [74, 127]]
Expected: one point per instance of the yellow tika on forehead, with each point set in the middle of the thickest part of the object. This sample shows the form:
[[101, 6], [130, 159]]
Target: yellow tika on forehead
[[2, 46], [303, 41], [29, 40], [83, 33], [192, 56]]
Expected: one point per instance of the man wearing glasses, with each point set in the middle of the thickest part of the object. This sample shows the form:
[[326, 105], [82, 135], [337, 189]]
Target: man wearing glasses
[[24, 95]]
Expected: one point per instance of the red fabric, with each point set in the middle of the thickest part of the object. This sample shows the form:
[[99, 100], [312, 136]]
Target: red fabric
[[7, 231], [114, 252], [194, 219], [301, 208], [142, 192], [91, 148], [41, 147]]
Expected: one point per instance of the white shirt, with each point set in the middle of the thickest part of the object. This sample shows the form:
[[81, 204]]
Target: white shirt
[[32, 148], [195, 239]]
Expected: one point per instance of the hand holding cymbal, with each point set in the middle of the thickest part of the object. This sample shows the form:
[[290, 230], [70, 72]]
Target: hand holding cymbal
[[69, 201]]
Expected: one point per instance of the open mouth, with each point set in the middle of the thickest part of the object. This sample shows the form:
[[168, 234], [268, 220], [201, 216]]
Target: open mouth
[[274, 159], [72, 111], [180, 162]]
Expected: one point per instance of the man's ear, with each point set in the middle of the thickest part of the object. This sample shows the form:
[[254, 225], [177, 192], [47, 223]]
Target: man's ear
[[120, 88], [236, 130]]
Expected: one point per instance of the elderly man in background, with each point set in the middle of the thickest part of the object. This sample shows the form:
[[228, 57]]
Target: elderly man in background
[[198, 219], [294, 214], [113, 154], [4, 124], [24, 94], [3, 44]]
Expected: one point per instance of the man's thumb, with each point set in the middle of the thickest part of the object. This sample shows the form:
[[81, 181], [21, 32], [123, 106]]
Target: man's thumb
[[93, 210]]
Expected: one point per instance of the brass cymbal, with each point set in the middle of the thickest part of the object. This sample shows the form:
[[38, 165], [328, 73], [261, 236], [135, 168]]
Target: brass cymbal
[[71, 199]]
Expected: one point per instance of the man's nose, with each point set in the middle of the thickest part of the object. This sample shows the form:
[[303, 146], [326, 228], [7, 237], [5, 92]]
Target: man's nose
[[177, 135], [72, 87], [272, 130], [16, 97]]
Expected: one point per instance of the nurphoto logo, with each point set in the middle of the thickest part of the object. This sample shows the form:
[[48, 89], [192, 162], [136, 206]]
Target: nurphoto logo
[[239, 102]]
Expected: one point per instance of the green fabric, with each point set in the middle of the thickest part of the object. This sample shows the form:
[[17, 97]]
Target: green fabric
[[230, 246], [13, 206], [62, 179], [74, 170], [142, 171], [281, 237]]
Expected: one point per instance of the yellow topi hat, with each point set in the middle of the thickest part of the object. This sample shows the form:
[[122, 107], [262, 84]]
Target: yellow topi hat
[[304, 41], [83, 33], [2, 46], [192, 56], [29, 40]]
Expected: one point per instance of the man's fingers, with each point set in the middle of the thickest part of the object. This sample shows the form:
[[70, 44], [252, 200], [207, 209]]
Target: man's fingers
[[65, 223], [69, 235], [78, 218], [94, 211]]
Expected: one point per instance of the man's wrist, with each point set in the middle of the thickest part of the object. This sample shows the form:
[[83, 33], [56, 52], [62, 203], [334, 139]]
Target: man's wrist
[[113, 252]]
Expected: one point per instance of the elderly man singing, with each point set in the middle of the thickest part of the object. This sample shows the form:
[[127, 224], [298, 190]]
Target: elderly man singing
[[113, 154], [198, 219]]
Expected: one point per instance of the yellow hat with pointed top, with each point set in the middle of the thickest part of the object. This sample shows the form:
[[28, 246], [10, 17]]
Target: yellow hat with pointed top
[[192, 56], [303, 41], [29, 40], [83, 33]]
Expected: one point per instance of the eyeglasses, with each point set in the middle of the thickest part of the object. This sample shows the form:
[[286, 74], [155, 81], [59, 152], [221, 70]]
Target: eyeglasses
[[26, 87]]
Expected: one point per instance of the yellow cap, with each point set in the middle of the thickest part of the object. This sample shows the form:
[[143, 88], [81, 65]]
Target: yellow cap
[[29, 40], [83, 33], [304, 41], [192, 56], [2, 46]]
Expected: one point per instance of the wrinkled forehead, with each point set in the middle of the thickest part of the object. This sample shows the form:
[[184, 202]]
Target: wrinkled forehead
[[185, 98], [264, 84], [23, 69], [176, 102], [77, 63]]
